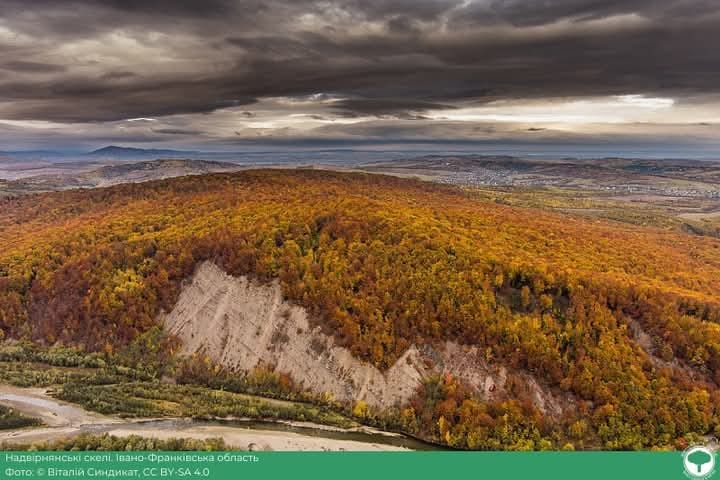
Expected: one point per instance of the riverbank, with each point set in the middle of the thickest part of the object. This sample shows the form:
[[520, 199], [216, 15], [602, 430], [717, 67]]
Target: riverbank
[[63, 420]]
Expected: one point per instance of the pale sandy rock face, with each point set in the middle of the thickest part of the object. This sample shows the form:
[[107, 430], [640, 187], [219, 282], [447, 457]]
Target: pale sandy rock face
[[240, 324]]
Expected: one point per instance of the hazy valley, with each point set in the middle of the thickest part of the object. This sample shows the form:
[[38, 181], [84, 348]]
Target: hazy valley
[[669, 193]]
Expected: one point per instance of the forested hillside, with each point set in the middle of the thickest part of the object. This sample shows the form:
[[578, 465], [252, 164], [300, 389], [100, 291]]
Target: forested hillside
[[624, 318]]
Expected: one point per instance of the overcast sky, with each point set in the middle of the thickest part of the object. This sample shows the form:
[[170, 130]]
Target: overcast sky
[[228, 75]]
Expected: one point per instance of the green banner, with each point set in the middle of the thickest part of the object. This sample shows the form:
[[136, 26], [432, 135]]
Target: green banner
[[360, 465]]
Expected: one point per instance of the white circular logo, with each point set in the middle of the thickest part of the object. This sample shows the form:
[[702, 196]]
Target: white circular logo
[[699, 461]]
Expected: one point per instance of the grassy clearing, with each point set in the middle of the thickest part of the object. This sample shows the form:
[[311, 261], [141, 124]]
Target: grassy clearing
[[147, 399]]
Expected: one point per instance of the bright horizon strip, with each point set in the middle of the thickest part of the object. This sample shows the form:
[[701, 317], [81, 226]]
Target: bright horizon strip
[[615, 109]]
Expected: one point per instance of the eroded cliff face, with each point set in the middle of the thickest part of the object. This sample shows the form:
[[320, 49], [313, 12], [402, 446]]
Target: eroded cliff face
[[240, 324]]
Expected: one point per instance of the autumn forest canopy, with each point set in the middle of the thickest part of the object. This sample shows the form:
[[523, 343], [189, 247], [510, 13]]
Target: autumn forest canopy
[[622, 319]]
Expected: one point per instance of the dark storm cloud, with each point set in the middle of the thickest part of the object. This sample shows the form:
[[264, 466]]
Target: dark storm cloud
[[176, 131], [96, 61], [78, 99], [530, 13], [117, 75], [31, 67]]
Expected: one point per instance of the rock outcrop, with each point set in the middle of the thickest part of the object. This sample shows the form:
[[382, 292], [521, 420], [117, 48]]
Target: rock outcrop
[[240, 324]]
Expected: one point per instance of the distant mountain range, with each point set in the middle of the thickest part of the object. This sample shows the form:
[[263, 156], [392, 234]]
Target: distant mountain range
[[115, 151], [110, 152]]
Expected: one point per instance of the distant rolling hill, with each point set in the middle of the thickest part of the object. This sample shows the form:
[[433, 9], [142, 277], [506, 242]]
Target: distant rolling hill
[[155, 169], [115, 174]]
